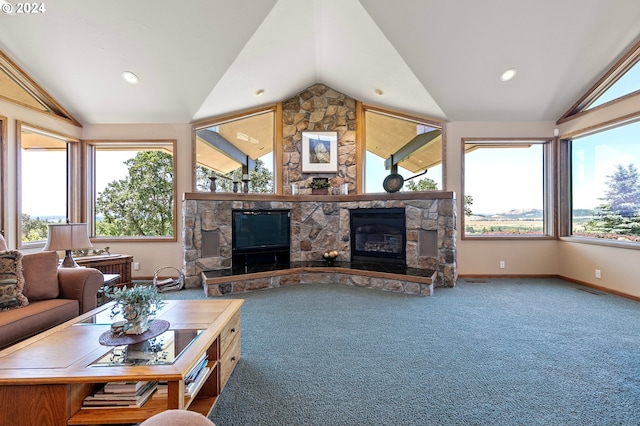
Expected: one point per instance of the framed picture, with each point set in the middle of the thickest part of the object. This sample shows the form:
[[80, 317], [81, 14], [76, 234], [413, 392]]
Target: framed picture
[[320, 152]]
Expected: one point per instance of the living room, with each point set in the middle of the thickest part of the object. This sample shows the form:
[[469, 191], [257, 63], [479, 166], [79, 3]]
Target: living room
[[561, 255], [66, 60]]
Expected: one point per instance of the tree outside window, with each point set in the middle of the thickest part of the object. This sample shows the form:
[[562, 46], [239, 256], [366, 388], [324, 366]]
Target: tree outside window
[[134, 189]]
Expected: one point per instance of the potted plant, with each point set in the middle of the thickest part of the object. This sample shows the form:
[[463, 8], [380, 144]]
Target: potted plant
[[319, 186], [137, 305]]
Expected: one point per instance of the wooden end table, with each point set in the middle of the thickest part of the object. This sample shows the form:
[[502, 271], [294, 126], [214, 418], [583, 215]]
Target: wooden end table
[[110, 264]]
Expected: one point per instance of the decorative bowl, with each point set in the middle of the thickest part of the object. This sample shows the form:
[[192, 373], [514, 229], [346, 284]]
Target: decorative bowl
[[329, 255]]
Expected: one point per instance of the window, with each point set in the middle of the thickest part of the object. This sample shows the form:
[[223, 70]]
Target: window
[[627, 83], [507, 188], [622, 80], [133, 189], [18, 88], [605, 184], [233, 149], [45, 183], [412, 144]]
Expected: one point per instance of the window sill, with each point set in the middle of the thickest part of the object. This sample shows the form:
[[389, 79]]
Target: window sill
[[602, 242]]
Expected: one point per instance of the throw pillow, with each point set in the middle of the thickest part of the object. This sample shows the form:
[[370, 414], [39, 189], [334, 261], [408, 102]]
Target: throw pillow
[[40, 271], [11, 281]]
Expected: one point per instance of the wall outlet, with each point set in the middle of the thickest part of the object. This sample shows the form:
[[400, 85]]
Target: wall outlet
[[136, 266], [502, 264], [598, 274]]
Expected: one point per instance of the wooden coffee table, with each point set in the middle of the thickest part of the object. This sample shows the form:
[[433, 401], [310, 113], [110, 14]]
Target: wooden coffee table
[[43, 380]]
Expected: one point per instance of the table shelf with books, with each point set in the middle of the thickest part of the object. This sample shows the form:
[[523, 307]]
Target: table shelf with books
[[205, 330]]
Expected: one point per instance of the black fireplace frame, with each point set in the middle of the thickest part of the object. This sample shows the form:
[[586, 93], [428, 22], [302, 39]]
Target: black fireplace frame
[[376, 216]]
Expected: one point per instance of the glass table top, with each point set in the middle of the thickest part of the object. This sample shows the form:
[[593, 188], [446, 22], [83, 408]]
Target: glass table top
[[160, 350], [163, 349]]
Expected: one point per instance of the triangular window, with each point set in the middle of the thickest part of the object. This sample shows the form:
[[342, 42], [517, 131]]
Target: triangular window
[[622, 80], [18, 88], [628, 83]]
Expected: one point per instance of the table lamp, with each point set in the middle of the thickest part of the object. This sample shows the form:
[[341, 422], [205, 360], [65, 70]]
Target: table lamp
[[68, 237]]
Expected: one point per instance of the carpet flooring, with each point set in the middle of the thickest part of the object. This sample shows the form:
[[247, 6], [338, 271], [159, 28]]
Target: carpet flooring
[[487, 352]]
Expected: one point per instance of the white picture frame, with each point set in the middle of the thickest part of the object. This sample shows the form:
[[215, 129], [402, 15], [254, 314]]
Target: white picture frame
[[319, 152]]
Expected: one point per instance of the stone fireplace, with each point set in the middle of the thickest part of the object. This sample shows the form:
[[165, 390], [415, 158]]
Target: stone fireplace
[[320, 223]]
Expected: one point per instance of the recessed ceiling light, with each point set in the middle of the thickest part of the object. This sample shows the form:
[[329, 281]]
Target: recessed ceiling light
[[259, 92], [508, 74], [130, 77], [379, 92]]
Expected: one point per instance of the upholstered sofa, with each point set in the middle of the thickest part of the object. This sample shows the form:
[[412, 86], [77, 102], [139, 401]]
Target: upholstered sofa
[[49, 295]]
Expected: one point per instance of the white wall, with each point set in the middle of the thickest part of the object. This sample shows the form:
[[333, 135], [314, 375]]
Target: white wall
[[578, 260], [482, 257]]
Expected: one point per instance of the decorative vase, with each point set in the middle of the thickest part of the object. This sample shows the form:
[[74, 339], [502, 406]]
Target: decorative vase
[[137, 322]]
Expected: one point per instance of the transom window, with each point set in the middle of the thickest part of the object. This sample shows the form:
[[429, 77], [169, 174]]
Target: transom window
[[230, 151], [409, 146]]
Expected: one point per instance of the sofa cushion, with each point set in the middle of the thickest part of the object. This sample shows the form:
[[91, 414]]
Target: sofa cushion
[[3, 244], [11, 281], [18, 324], [40, 271]]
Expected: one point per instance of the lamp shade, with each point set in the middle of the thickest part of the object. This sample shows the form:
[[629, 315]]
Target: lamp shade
[[68, 236]]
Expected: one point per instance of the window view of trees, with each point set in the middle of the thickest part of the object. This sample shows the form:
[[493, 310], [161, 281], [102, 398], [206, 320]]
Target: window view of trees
[[260, 179], [141, 204], [230, 149], [618, 217], [605, 184], [133, 189]]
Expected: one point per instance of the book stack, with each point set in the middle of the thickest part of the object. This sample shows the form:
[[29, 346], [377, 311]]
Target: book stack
[[196, 376], [121, 395]]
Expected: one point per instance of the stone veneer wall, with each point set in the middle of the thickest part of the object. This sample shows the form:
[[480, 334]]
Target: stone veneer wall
[[320, 223], [318, 108]]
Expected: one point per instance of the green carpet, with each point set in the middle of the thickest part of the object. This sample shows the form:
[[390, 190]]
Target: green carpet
[[501, 352]]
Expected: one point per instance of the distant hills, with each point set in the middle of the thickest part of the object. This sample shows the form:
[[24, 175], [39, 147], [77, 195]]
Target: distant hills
[[527, 214]]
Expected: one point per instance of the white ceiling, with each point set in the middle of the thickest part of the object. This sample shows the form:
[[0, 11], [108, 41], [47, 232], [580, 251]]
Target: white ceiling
[[202, 58]]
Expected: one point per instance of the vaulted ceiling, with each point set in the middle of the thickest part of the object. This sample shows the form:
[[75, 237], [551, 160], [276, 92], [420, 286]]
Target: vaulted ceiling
[[203, 58]]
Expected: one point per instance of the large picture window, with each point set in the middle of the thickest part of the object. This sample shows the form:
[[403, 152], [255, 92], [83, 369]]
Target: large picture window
[[507, 188], [45, 183], [605, 184], [133, 189]]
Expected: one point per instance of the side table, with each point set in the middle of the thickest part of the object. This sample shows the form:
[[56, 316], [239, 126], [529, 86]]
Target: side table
[[109, 280], [110, 264]]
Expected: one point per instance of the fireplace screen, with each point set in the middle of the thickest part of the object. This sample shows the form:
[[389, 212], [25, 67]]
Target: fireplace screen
[[378, 235]]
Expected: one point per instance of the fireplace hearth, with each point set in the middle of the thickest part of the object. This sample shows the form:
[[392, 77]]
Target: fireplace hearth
[[378, 235]]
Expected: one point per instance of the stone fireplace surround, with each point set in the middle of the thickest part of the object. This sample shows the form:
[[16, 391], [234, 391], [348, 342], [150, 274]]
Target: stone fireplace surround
[[318, 223]]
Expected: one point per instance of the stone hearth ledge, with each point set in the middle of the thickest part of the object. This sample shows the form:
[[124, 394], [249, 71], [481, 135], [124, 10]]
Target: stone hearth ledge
[[223, 282]]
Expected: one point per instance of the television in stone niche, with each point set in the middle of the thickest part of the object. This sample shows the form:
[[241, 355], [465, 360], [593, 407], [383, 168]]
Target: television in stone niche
[[261, 230]]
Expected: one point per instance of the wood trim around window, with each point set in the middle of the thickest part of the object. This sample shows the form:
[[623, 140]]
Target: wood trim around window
[[622, 65], [73, 174], [89, 199]]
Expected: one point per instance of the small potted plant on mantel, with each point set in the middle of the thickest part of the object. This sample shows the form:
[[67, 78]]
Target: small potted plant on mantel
[[319, 186], [137, 305]]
